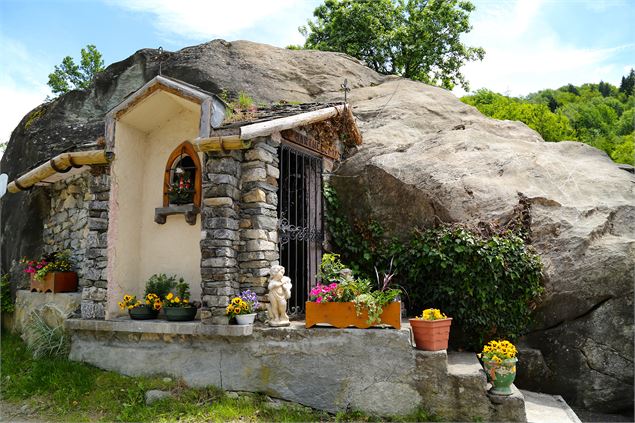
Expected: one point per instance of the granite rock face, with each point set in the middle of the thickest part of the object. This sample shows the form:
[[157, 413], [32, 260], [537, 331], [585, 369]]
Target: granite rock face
[[426, 157]]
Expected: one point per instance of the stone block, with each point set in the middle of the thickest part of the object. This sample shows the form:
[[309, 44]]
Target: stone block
[[244, 223], [218, 202], [92, 310], [256, 174], [97, 224], [255, 196], [98, 205], [221, 190], [254, 234], [216, 178], [259, 154], [223, 234], [221, 223], [265, 222], [250, 256], [260, 245], [273, 172], [227, 166], [219, 262]]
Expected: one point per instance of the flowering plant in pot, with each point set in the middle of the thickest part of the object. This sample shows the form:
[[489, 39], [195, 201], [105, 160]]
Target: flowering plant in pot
[[343, 300], [181, 190], [243, 307], [138, 310], [51, 273], [431, 330], [177, 305], [499, 361]]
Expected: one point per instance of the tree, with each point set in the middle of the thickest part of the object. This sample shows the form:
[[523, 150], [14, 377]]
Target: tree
[[69, 76], [417, 39], [628, 83]]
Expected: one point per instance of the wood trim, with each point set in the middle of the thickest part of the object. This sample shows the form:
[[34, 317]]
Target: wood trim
[[186, 148], [254, 130], [61, 162], [220, 143]]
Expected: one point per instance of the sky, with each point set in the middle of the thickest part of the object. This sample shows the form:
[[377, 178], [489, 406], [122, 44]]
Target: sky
[[530, 44]]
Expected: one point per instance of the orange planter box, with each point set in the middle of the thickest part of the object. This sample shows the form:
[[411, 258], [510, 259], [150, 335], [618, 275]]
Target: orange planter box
[[343, 315], [431, 335], [55, 282]]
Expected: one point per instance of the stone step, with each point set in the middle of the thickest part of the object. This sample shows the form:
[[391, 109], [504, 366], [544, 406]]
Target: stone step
[[545, 408]]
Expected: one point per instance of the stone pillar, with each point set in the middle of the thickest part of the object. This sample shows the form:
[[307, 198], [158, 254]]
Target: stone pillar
[[219, 235], [259, 215], [95, 279]]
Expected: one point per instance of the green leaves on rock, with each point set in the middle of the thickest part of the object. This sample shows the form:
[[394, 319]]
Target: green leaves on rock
[[417, 39]]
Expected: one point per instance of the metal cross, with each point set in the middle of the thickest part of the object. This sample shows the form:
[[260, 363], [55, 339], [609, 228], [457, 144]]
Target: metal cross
[[346, 89]]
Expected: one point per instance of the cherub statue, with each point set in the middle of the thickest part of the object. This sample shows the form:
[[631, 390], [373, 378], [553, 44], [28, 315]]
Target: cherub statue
[[279, 292]]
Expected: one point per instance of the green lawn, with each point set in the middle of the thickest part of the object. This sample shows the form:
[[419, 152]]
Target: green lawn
[[55, 389]]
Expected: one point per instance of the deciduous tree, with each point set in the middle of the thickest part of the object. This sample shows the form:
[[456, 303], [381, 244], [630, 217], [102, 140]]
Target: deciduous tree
[[69, 76]]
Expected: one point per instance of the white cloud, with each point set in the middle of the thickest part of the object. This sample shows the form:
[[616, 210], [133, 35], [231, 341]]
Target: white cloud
[[205, 19], [525, 55], [21, 86]]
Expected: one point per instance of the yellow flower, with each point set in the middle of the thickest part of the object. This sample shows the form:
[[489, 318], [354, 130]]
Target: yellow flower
[[127, 298], [169, 296], [121, 305], [157, 306], [237, 310], [185, 300], [177, 300], [147, 301], [130, 307], [236, 300]]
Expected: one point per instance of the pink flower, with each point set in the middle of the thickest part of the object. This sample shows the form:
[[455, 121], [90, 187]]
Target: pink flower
[[318, 300], [333, 285]]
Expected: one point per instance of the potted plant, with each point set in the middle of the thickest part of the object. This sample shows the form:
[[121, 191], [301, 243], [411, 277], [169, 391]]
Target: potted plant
[[431, 330], [345, 301], [141, 310], [243, 308], [499, 361], [51, 273], [181, 191], [160, 284], [177, 305]]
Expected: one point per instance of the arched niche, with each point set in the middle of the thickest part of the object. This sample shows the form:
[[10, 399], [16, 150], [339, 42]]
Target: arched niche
[[182, 177]]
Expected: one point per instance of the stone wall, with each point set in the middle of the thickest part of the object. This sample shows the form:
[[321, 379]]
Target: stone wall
[[259, 215], [94, 285], [67, 225], [220, 236]]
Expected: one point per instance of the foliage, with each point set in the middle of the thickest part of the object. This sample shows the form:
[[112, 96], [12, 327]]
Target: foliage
[[180, 297], [487, 282], [596, 114], [70, 391], [432, 314], [246, 303], [130, 301], [627, 86], [417, 39], [7, 304], [498, 351], [44, 340], [56, 262], [161, 284], [69, 76], [344, 287]]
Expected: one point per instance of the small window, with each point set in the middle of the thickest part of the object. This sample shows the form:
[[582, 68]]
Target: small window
[[182, 180]]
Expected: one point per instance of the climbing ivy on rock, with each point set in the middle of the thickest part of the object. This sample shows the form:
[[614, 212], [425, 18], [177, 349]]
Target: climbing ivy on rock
[[487, 281]]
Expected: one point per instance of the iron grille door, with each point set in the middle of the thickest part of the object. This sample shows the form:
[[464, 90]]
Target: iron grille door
[[300, 216]]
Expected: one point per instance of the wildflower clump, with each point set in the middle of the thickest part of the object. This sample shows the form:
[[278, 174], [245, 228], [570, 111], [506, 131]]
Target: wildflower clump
[[498, 351]]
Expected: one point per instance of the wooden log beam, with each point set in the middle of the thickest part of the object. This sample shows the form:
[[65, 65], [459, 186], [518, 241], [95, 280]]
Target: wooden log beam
[[59, 163], [220, 143], [254, 130]]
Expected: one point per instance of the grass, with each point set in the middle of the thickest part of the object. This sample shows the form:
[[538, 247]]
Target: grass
[[55, 389]]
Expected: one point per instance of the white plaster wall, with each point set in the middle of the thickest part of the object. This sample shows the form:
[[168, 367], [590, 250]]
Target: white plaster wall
[[139, 247], [174, 247], [124, 247]]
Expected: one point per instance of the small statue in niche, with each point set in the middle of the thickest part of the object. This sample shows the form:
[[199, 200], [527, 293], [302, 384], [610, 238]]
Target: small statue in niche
[[279, 292]]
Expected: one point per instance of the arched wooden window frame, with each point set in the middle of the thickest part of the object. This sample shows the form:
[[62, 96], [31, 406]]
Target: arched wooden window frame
[[184, 149]]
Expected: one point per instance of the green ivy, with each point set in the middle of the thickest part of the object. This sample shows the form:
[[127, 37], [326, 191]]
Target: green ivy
[[488, 283], [7, 304]]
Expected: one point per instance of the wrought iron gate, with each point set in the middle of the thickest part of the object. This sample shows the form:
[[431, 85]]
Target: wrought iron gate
[[300, 216]]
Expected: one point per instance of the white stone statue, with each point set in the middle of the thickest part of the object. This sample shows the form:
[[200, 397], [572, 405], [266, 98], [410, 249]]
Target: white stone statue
[[279, 292]]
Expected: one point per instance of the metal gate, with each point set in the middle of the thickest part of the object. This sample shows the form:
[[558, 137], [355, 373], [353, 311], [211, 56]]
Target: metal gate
[[300, 216]]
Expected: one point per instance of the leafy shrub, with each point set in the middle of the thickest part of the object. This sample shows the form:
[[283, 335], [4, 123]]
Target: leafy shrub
[[487, 283], [7, 305], [160, 284]]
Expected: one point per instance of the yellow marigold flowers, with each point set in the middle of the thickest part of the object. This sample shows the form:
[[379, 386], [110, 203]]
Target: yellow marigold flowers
[[498, 351], [432, 314]]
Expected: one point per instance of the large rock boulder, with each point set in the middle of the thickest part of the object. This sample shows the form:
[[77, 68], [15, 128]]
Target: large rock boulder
[[426, 156]]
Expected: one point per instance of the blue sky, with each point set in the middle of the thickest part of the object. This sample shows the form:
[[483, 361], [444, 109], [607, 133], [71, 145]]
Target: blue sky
[[530, 44]]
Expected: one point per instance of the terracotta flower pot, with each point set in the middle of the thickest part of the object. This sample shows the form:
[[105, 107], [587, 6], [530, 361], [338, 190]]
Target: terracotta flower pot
[[180, 314], [431, 335], [343, 315], [55, 282], [501, 375], [143, 312]]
